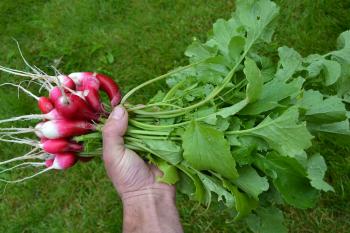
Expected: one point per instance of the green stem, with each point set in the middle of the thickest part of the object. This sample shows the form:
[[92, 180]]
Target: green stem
[[132, 139], [159, 127], [144, 132], [247, 131], [132, 147], [145, 148], [215, 92], [132, 91], [173, 90], [155, 115], [237, 132], [91, 154], [155, 127], [152, 105], [154, 137], [238, 86], [179, 112]]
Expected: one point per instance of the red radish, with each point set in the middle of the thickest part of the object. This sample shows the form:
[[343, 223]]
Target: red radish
[[49, 162], [66, 81], [62, 161], [55, 93], [42, 140], [60, 145], [45, 105], [52, 115], [91, 84], [74, 107], [77, 78], [108, 85], [90, 81], [93, 98], [62, 128], [84, 80]]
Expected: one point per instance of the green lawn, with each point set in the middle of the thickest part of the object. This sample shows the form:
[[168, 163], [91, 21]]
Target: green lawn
[[134, 41]]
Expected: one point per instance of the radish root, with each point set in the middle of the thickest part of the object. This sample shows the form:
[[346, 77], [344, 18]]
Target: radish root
[[23, 58], [13, 131], [24, 141], [24, 118], [26, 178], [23, 165], [23, 89], [33, 154], [39, 77]]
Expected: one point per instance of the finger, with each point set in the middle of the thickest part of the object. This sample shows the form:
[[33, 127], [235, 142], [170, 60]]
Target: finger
[[113, 132]]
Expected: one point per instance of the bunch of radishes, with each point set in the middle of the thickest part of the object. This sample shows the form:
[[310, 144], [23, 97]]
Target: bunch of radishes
[[73, 108]]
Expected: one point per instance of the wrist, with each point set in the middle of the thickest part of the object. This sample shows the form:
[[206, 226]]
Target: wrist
[[150, 210], [148, 193]]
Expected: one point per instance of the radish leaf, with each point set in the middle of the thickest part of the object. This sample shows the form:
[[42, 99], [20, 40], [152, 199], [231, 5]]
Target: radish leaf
[[205, 148], [211, 184], [250, 182], [316, 170], [273, 92], [167, 150], [253, 75], [283, 133], [170, 175], [290, 179], [243, 204], [322, 110], [267, 220]]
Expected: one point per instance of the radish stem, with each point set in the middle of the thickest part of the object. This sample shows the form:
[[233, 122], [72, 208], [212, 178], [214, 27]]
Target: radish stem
[[132, 91]]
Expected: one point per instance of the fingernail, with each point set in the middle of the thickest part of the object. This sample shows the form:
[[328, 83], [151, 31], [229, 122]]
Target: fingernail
[[118, 113]]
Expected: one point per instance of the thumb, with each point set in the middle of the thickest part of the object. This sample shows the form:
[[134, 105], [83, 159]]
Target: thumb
[[113, 132]]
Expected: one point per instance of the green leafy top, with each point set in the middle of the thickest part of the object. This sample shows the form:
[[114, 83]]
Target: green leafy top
[[237, 126]]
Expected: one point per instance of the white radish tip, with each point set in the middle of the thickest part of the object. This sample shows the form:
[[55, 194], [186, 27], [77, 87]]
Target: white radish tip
[[76, 77], [56, 164], [38, 129], [49, 129]]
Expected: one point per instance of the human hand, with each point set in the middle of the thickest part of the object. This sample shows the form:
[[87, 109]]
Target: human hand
[[128, 172], [142, 196]]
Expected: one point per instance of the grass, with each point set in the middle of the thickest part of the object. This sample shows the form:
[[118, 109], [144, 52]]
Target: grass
[[134, 41]]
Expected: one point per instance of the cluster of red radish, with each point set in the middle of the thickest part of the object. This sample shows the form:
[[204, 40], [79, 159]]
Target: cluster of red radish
[[71, 110]]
